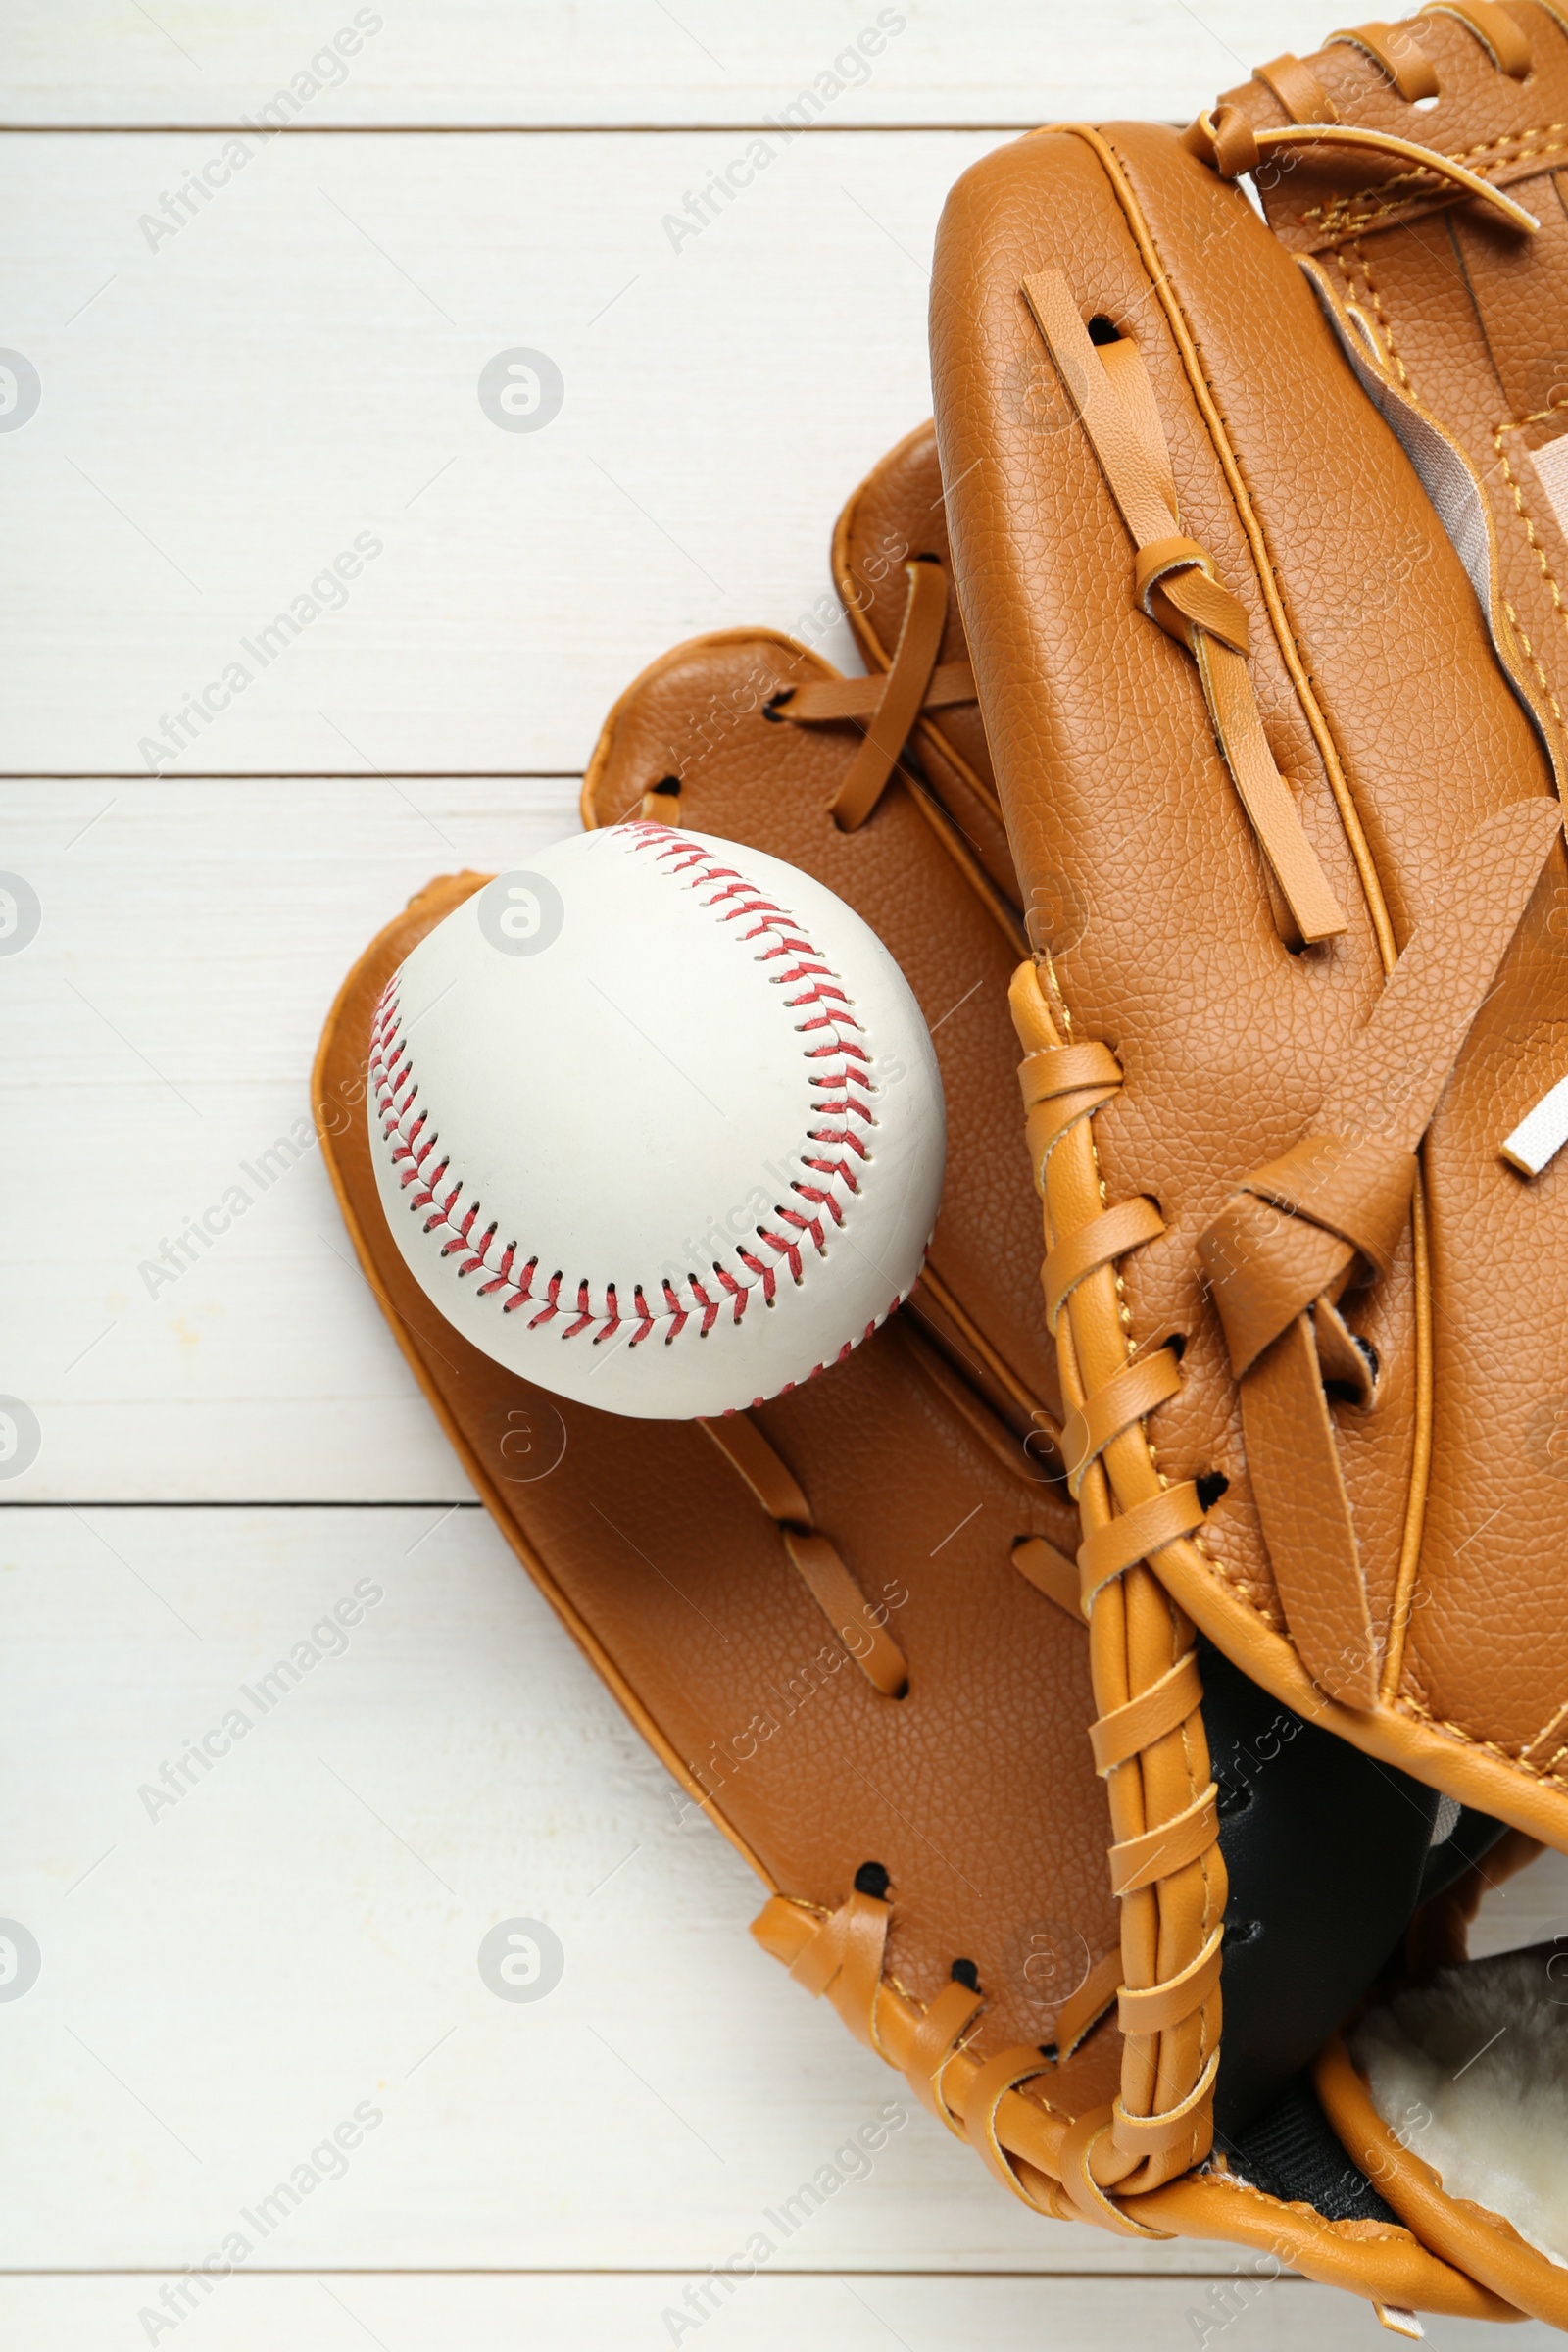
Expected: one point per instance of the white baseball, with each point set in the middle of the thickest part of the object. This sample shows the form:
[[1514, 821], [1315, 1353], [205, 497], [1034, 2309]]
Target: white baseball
[[657, 1123]]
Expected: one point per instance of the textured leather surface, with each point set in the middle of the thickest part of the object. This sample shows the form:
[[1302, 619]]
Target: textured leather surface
[[975, 1792], [1396, 733]]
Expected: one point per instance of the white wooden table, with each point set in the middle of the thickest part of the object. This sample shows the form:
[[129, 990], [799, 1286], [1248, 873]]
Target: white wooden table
[[235, 385]]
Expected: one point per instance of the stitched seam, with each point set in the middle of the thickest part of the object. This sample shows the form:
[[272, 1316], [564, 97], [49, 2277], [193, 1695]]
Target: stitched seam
[[1510, 147], [1518, 425], [455, 1208], [1461, 1738], [1553, 1722], [1383, 318]]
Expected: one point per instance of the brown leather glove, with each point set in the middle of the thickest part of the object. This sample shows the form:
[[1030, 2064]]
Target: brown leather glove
[[1308, 1315], [849, 1622]]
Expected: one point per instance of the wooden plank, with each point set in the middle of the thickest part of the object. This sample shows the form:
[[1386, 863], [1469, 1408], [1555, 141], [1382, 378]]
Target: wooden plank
[[766, 2313], [160, 1032], [294, 1938], [297, 371], [239, 1956], [609, 62]]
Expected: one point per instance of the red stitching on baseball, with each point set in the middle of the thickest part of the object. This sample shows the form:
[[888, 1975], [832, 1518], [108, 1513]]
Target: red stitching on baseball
[[403, 1118]]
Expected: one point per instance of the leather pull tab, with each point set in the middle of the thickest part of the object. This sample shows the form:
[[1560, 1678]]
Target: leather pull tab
[[1299, 1487]]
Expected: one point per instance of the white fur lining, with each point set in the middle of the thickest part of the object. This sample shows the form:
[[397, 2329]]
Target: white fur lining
[[1471, 2073]]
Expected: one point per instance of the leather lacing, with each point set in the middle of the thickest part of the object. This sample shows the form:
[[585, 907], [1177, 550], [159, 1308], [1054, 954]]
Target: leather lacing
[[1279, 1257], [860, 1626], [889, 706], [1177, 586], [1030, 2144], [1224, 137]]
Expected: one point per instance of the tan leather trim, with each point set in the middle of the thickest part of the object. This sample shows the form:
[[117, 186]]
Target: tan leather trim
[[1164, 1708], [1162, 2005], [845, 1606], [1166, 1864], [1137, 1862], [1507, 47], [1383, 2263], [1459, 2230], [1021, 2135]]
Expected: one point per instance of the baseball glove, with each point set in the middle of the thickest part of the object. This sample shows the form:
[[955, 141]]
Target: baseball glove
[[1308, 1312], [847, 1621]]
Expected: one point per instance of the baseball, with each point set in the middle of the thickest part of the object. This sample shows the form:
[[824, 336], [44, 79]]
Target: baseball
[[657, 1123]]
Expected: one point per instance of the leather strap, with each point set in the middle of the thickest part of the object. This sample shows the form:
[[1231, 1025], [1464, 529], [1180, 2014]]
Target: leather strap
[[1100, 1242], [1066, 1070], [1049, 1569], [1079, 2154], [844, 1960], [1336, 1204], [1298, 89], [1138, 1388], [1108, 1552], [1138, 1861], [1175, 585], [986, 2091], [1059, 1088], [1158, 2007], [1171, 2126], [769, 1477], [1226, 140], [888, 706], [894, 702], [934, 2043], [822, 702], [815, 1558], [845, 1606], [1496, 30], [1164, 1708], [1135, 1635], [1395, 54]]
